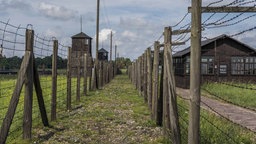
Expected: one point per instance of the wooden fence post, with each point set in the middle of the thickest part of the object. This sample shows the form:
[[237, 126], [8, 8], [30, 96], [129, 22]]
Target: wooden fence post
[[149, 79], [78, 76], [195, 74], [145, 76], [28, 98], [6, 124], [155, 82], [54, 80], [171, 91], [90, 63], [100, 75], [94, 77], [166, 118], [139, 74], [85, 74], [69, 80]]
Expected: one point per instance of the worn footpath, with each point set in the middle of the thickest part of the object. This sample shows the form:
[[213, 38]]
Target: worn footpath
[[244, 117], [114, 115]]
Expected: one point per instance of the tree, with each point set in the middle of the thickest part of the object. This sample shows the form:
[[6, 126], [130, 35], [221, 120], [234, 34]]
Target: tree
[[123, 63]]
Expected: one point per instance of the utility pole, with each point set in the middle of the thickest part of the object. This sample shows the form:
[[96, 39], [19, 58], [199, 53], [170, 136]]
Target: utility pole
[[97, 30], [195, 73], [111, 36], [81, 23]]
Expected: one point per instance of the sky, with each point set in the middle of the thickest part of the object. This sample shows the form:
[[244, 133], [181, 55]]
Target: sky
[[136, 24]]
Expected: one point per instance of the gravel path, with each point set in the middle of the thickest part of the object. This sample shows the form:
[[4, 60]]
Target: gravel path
[[244, 117]]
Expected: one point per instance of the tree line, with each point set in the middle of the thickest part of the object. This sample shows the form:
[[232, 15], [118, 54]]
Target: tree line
[[13, 63]]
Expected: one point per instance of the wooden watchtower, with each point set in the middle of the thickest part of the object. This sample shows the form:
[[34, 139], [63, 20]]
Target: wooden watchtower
[[81, 44], [103, 54]]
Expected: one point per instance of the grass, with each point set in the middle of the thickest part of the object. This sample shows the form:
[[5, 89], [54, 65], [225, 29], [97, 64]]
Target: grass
[[7, 85], [115, 114], [214, 129], [235, 95]]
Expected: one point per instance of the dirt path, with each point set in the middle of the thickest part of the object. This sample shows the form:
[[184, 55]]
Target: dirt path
[[241, 116], [114, 115]]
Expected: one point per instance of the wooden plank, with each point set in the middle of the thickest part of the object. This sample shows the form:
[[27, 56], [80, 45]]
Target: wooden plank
[[178, 32], [6, 124], [178, 43], [195, 74], [40, 98], [225, 9], [54, 80]]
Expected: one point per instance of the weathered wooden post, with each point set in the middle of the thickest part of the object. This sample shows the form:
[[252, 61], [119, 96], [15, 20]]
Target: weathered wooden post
[[155, 81], [145, 76], [171, 91], [85, 74], [78, 82], [90, 63], [28, 99], [94, 77], [149, 79], [195, 74], [54, 80], [166, 111], [69, 69]]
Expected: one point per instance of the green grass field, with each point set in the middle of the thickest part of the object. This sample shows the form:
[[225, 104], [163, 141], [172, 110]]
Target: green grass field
[[7, 85], [214, 129], [238, 96]]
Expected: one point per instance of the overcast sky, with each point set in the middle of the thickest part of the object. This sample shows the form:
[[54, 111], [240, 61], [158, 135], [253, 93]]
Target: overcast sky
[[136, 23]]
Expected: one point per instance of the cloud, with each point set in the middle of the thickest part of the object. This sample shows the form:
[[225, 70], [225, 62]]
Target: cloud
[[56, 12], [133, 22], [52, 33], [129, 34], [104, 34], [14, 5]]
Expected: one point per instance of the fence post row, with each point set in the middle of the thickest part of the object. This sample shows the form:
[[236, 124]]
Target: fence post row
[[162, 100]]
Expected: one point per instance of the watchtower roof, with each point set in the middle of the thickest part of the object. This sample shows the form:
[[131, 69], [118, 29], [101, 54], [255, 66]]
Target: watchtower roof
[[81, 35]]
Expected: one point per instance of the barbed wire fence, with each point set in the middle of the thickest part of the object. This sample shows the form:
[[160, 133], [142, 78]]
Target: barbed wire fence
[[212, 25], [28, 59], [13, 41]]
